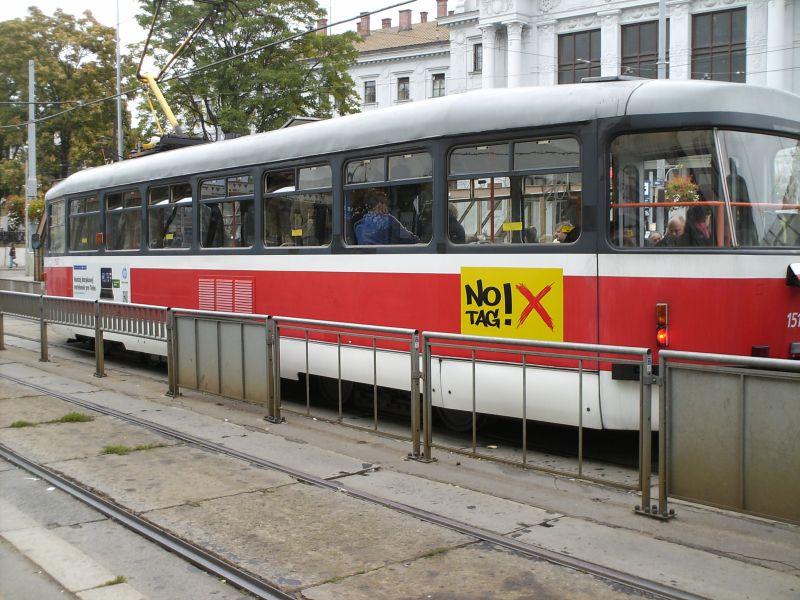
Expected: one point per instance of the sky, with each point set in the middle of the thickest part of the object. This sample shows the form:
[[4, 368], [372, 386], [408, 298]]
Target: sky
[[105, 11]]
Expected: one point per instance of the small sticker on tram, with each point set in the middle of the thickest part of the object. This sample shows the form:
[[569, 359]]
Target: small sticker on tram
[[297, 233], [512, 226], [169, 236]]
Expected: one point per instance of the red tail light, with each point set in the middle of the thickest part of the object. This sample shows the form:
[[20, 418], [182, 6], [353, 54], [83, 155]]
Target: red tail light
[[662, 325]]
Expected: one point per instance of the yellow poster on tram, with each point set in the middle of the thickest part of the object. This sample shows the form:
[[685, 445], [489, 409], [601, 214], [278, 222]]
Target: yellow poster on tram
[[513, 302]]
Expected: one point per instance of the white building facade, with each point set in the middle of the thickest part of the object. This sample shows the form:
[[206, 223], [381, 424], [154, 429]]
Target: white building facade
[[509, 43]]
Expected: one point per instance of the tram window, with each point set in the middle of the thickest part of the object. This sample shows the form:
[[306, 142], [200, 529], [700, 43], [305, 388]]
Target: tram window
[[410, 166], [666, 191], [227, 223], [479, 159], [365, 171], [55, 216], [314, 177], [393, 212], [536, 207], [170, 216], [547, 154], [123, 220], [84, 224], [763, 177], [295, 218]]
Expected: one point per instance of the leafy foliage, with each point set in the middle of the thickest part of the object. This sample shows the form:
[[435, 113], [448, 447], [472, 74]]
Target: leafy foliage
[[682, 189], [307, 76], [75, 59]]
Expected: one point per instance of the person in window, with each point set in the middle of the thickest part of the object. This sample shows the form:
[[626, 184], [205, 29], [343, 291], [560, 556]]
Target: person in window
[[566, 232], [530, 235], [454, 228], [675, 228], [377, 226], [696, 232]]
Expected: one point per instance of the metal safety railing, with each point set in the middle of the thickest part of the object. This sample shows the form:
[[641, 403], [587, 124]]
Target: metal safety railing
[[230, 354], [729, 433], [139, 320], [380, 345], [522, 356]]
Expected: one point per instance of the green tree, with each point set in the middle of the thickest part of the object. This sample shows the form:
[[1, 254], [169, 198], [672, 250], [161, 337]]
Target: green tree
[[75, 59], [307, 76]]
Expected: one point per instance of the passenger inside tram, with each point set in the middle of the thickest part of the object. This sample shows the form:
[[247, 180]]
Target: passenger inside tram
[[373, 224]]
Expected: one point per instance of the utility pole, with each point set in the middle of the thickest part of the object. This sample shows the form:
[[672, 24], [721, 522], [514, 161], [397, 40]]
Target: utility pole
[[662, 39], [30, 186], [120, 155]]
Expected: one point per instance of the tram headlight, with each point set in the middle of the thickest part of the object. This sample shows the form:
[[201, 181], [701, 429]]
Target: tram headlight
[[662, 325]]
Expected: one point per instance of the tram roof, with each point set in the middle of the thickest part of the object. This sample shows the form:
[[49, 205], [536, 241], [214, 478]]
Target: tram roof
[[473, 112]]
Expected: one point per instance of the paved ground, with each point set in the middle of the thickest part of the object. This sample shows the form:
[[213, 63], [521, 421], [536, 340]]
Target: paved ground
[[328, 545]]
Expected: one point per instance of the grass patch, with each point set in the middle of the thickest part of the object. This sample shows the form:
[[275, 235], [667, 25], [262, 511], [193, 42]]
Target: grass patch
[[18, 424], [123, 450], [73, 417], [434, 552], [116, 581]]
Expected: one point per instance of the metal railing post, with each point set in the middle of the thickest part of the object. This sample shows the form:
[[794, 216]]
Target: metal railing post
[[415, 398], [645, 434], [273, 371], [43, 352], [663, 439], [99, 350], [2, 333], [427, 400], [172, 356]]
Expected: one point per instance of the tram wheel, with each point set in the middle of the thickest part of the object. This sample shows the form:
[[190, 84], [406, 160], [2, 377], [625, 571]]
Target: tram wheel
[[458, 420]]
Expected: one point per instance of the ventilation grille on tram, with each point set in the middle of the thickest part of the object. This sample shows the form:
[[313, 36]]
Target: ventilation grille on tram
[[225, 294]]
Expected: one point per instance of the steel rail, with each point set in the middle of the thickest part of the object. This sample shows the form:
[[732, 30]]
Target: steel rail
[[564, 560], [194, 554]]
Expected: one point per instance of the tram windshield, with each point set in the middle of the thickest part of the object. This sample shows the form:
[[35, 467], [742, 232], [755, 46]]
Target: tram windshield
[[705, 188]]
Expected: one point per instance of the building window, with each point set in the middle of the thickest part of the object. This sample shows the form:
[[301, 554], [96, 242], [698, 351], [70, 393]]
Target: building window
[[477, 58], [438, 89], [718, 45], [403, 92], [578, 56], [640, 49], [369, 92]]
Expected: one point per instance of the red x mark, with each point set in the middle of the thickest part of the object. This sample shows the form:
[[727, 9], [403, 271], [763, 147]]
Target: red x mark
[[535, 303]]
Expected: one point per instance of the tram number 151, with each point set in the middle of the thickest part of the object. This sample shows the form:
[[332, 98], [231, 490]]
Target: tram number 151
[[793, 320]]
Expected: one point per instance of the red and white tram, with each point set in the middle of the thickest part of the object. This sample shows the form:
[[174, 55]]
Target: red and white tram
[[556, 213]]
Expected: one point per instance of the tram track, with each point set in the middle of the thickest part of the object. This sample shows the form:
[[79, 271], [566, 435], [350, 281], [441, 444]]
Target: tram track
[[621, 578]]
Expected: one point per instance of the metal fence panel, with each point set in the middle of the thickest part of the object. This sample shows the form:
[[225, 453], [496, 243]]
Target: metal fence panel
[[231, 360], [254, 362], [20, 304], [705, 419], [772, 446], [186, 357], [75, 312], [208, 353]]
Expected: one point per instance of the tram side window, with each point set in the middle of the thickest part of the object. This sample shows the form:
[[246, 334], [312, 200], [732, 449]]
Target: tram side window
[[124, 220], [298, 207], [84, 223], [55, 219], [389, 208], [666, 191], [763, 177], [522, 193], [170, 216], [224, 222]]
